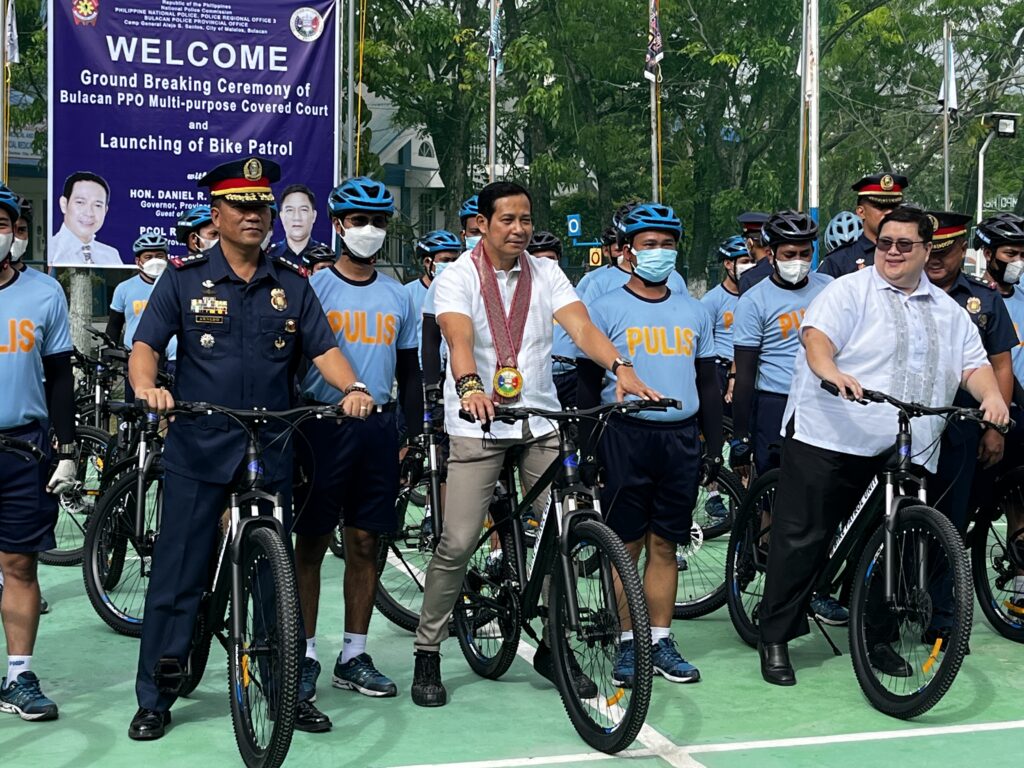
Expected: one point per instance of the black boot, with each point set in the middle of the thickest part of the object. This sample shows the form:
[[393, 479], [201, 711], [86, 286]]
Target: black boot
[[427, 688], [775, 666]]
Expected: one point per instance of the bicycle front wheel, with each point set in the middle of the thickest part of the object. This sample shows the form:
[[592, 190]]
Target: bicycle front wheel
[[902, 665], [608, 597], [263, 663], [747, 560]]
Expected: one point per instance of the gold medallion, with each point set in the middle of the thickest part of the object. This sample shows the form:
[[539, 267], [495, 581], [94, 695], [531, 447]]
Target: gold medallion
[[278, 300], [253, 169], [290, 326], [974, 305], [508, 382], [887, 183]]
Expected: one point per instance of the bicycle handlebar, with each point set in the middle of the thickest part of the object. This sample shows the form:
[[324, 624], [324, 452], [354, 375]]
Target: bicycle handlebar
[[510, 414], [253, 415], [14, 445], [101, 335], [916, 410]]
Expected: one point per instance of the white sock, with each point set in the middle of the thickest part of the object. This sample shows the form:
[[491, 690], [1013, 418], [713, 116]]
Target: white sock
[[712, 493], [1, 578], [311, 649], [16, 665], [352, 646], [624, 636], [659, 633]]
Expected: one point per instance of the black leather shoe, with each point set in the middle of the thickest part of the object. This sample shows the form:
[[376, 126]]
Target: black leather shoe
[[544, 663], [310, 719], [888, 662], [427, 688], [148, 725], [775, 666]]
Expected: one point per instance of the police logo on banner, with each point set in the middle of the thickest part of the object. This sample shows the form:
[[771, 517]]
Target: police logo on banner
[[85, 11], [307, 24]]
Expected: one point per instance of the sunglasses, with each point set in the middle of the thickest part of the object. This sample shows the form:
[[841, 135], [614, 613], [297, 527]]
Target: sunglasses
[[361, 220], [903, 245]]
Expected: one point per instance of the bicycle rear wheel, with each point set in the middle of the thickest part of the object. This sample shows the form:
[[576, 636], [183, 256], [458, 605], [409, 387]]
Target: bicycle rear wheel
[[701, 563], [263, 663], [747, 561], [403, 560], [605, 595], [997, 557], [116, 564], [928, 552], [488, 617], [76, 505]]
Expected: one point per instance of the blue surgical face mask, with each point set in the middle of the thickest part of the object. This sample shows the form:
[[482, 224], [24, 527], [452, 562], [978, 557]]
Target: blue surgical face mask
[[439, 267], [655, 264], [472, 242]]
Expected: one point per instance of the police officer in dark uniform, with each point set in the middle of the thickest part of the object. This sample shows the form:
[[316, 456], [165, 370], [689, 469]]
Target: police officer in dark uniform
[[877, 196], [751, 223], [963, 446], [243, 322]]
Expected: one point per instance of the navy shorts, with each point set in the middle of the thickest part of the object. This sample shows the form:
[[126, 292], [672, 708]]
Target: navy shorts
[[351, 466], [28, 514], [651, 471], [565, 384], [769, 409]]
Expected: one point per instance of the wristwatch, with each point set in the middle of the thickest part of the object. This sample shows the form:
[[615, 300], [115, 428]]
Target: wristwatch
[[621, 361], [357, 386], [67, 451]]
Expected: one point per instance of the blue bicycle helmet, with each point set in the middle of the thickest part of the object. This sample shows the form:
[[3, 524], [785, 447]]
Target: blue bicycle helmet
[[789, 227], [470, 207], [190, 221], [844, 228], [150, 241], [1001, 229], [437, 241], [9, 202], [360, 194], [651, 216], [733, 248]]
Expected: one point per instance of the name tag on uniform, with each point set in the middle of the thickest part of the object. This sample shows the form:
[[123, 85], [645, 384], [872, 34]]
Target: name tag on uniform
[[209, 305], [210, 319]]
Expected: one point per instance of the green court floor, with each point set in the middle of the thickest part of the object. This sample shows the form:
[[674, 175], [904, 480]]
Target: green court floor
[[730, 719]]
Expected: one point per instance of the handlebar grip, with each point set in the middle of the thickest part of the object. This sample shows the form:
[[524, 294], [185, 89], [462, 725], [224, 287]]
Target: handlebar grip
[[467, 416], [829, 387], [669, 402]]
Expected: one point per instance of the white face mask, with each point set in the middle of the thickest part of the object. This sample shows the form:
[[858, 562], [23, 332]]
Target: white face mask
[[364, 242], [741, 268], [5, 245], [472, 242], [18, 248], [205, 245], [154, 268], [793, 271], [1014, 269]]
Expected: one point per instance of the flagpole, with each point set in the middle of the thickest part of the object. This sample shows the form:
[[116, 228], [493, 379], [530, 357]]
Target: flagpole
[[652, 9], [350, 115], [947, 60], [492, 132], [812, 112], [4, 106], [802, 143]]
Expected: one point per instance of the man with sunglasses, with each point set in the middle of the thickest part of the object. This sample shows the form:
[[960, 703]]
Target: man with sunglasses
[[353, 465], [885, 328], [877, 196], [751, 223]]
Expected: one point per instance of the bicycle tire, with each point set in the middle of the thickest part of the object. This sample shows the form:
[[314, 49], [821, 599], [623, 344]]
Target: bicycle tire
[[120, 602], [702, 584], [74, 507], [748, 558], [337, 542], [914, 525], [597, 646], [199, 653], [488, 616], [265, 562], [992, 567]]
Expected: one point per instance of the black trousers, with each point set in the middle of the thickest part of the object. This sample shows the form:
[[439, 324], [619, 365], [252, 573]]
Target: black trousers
[[817, 489]]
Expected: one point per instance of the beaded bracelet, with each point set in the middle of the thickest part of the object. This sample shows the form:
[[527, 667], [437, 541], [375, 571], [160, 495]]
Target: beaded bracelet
[[468, 384]]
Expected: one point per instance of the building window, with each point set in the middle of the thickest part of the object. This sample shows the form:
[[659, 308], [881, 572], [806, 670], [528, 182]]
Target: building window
[[426, 150]]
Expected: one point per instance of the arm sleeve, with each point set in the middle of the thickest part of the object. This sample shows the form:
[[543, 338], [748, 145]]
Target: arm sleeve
[[710, 414], [410, 390], [1001, 336], [162, 318], [834, 312], [431, 351], [316, 331], [115, 325], [589, 376], [60, 395], [743, 390]]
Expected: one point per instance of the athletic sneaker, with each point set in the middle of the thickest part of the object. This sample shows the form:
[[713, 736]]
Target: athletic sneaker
[[716, 508], [668, 663], [360, 675], [625, 666], [24, 698], [829, 611], [309, 672]]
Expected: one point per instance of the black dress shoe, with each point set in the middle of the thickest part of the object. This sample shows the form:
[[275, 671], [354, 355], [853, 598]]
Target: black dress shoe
[[775, 666], [310, 719], [148, 725], [888, 662]]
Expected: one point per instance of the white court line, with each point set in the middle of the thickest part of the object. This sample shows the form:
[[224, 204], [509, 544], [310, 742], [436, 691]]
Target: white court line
[[516, 762], [848, 738]]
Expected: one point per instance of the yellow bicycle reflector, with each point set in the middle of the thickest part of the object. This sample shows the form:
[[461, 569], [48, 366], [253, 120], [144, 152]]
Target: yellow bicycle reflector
[[1014, 609], [99, 464], [613, 700], [933, 656], [245, 672]]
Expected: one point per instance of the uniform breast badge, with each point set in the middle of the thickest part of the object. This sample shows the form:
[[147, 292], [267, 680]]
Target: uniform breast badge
[[278, 300]]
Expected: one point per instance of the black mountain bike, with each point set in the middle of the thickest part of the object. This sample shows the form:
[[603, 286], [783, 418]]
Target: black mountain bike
[[890, 555], [997, 556], [596, 591]]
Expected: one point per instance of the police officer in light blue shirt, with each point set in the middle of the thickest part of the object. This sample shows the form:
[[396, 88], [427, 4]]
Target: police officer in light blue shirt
[[563, 352], [353, 466], [652, 462], [735, 258], [132, 296], [766, 337], [439, 244], [38, 392]]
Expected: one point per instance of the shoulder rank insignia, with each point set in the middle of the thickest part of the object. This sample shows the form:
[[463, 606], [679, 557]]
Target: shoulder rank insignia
[[980, 281], [296, 268], [181, 262]]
